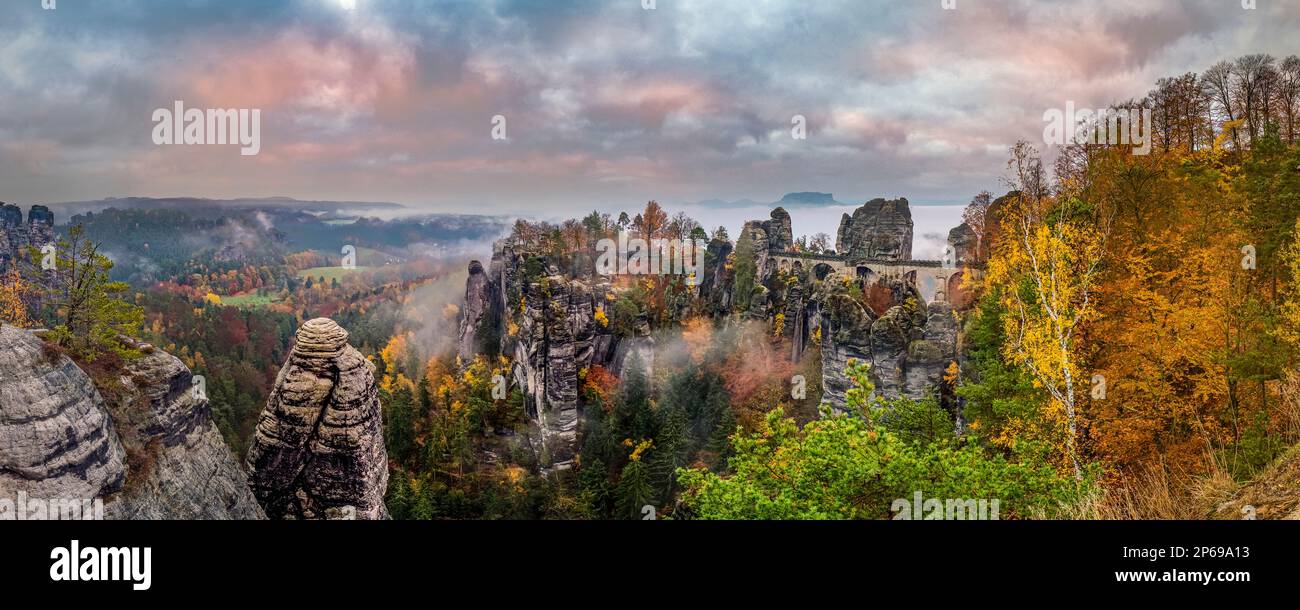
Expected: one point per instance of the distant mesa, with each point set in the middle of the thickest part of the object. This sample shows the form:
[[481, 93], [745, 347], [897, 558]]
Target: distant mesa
[[789, 200], [69, 209], [808, 199]]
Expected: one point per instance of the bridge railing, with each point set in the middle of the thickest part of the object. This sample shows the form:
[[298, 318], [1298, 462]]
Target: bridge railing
[[854, 262]]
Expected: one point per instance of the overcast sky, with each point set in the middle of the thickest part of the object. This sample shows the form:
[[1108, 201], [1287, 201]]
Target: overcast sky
[[606, 104]]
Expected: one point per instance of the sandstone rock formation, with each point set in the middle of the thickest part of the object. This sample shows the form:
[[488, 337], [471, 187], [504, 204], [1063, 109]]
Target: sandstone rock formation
[[190, 472], [545, 319], [879, 230], [908, 347], [318, 452], [480, 315], [149, 450], [641, 342], [555, 331], [549, 327], [846, 335], [16, 236], [57, 441], [715, 288], [965, 245], [558, 336], [795, 319], [769, 237]]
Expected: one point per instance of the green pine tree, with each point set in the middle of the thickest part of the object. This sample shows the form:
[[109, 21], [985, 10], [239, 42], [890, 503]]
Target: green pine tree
[[399, 496], [670, 453], [634, 492], [399, 425], [88, 309], [594, 488], [426, 398], [632, 415], [719, 443]]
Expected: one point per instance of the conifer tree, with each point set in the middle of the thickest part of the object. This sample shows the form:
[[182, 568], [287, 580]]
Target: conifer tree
[[632, 409], [634, 491], [670, 453], [594, 488]]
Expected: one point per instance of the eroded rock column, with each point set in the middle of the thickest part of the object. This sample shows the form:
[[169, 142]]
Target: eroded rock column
[[319, 448]]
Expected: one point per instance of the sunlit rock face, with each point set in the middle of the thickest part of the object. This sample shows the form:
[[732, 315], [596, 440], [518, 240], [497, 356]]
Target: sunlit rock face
[[318, 452]]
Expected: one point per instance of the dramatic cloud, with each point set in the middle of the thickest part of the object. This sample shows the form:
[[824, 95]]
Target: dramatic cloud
[[606, 104]]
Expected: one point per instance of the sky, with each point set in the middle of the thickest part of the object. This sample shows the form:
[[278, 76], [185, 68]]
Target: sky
[[607, 104]]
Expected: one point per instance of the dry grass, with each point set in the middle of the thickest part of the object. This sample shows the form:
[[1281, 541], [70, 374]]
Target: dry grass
[[1289, 408], [1159, 494]]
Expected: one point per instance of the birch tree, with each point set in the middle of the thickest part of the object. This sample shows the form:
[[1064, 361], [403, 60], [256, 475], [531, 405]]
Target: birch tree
[[1050, 256]]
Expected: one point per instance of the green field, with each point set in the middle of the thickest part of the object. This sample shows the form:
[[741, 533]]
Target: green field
[[248, 301], [375, 257], [328, 273]]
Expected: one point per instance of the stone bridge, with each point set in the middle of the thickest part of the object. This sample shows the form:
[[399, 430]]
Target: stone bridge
[[933, 279]]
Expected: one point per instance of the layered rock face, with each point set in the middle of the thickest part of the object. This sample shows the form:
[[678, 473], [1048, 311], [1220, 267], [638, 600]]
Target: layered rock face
[[965, 245], [908, 347], [879, 230], [191, 474], [57, 440], [716, 285], [318, 452], [769, 237], [16, 236], [480, 316], [548, 321], [558, 336], [552, 327], [150, 451], [846, 335]]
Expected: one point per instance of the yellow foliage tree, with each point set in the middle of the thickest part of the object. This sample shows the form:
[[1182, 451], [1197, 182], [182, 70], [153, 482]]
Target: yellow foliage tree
[[14, 291], [1049, 259]]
